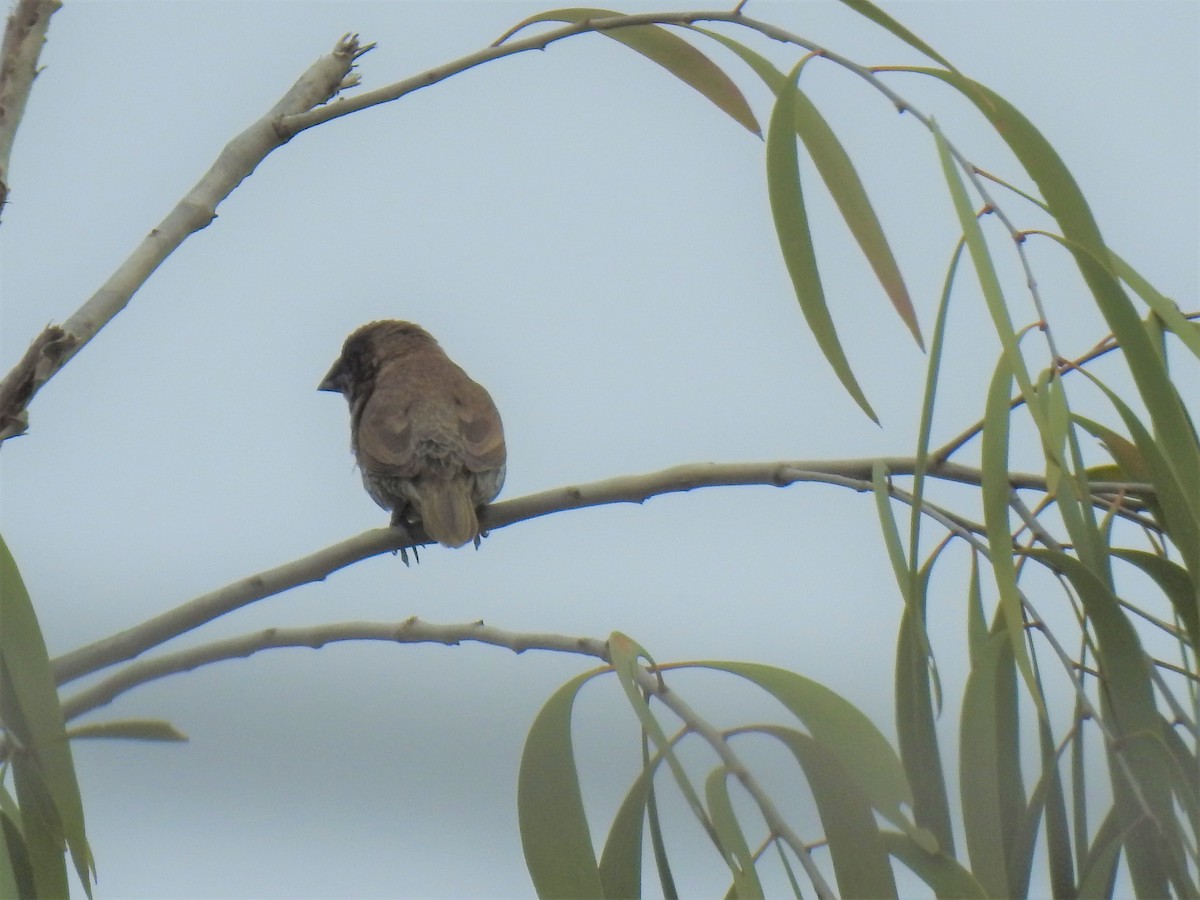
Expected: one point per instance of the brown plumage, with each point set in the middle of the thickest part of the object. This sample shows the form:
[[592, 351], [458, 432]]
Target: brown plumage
[[428, 439]]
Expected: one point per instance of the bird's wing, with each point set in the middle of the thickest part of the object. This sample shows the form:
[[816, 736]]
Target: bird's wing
[[385, 434], [479, 425]]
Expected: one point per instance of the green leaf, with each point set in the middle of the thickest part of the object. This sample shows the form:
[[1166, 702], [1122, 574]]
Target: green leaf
[[621, 861], [554, 830], [626, 656], [1179, 514], [1175, 582], [41, 826], [43, 769], [842, 181], [1172, 425], [843, 730], [915, 723], [1166, 310], [915, 714], [795, 239], [1175, 321], [891, 534], [671, 52], [977, 628], [1144, 807], [925, 429], [996, 489], [1071, 488], [860, 860], [840, 177], [879, 17], [1098, 874], [745, 876], [1185, 774], [985, 269], [130, 730], [941, 872], [1058, 832], [993, 796], [16, 876], [1131, 466]]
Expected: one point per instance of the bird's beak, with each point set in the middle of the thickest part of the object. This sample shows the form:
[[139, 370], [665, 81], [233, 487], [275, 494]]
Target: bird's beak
[[331, 381]]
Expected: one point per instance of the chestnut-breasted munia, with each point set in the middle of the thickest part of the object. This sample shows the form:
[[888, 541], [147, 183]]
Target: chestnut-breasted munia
[[427, 438]]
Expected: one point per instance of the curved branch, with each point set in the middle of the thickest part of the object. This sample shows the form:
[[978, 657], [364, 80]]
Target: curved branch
[[414, 631], [505, 47], [322, 81], [855, 474], [410, 631], [651, 681]]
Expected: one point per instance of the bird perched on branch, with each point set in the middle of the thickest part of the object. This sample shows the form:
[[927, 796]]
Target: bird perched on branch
[[427, 438]]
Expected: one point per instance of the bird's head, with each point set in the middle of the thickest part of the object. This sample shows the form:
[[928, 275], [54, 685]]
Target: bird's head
[[366, 350]]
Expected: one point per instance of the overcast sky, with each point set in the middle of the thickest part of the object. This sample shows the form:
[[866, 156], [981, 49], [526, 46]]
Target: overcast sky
[[591, 240]]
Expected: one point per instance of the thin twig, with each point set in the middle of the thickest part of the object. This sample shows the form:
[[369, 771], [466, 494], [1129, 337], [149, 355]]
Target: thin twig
[[671, 699]]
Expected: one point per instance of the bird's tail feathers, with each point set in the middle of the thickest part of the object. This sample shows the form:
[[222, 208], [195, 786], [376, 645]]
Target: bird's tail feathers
[[447, 512]]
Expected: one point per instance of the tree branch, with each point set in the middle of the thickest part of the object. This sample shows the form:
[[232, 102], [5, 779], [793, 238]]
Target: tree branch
[[317, 566], [414, 631], [651, 683], [17, 388], [503, 46], [323, 80], [24, 36], [410, 631]]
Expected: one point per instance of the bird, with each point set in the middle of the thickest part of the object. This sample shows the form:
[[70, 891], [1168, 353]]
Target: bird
[[428, 440]]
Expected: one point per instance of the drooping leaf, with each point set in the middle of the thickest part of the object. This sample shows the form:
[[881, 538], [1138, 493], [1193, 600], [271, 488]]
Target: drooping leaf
[[1139, 758], [621, 861], [1165, 309], [915, 722], [16, 875], [1174, 581], [725, 821], [626, 656], [993, 797], [841, 180], [845, 731], [891, 534], [860, 860], [879, 17], [1058, 834], [1098, 873], [554, 829], [915, 669], [985, 269], [1172, 425], [1179, 511], [43, 769], [940, 871], [671, 52], [996, 488], [795, 239]]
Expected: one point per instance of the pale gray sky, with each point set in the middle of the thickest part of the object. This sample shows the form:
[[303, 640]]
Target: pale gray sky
[[591, 240]]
